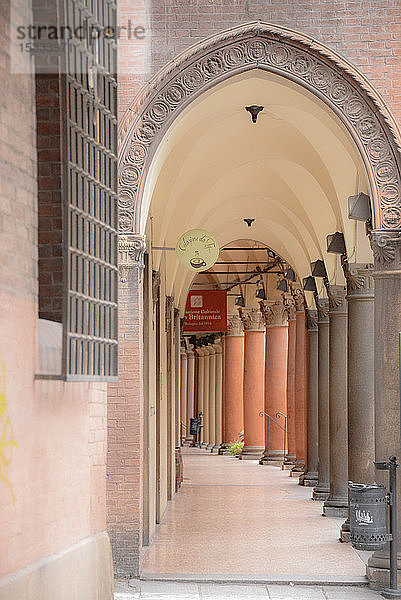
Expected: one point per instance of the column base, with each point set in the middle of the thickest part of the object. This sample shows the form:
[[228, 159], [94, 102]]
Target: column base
[[204, 445], [336, 507], [308, 479], [189, 442], [298, 469], [321, 493], [209, 447], [251, 453], [345, 532], [272, 458], [378, 571], [216, 449]]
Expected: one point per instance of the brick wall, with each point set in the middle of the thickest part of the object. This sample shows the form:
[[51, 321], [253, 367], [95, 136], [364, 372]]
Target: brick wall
[[367, 33], [50, 215]]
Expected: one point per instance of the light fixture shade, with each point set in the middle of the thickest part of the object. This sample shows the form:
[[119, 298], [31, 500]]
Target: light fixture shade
[[309, 284], [318, 268], [336, 243], [282, 285], [239, 301], [359, 207], [261, 294], [290, 275]]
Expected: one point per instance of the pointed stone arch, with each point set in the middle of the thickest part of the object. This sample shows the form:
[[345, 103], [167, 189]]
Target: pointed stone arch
[[287, 53]]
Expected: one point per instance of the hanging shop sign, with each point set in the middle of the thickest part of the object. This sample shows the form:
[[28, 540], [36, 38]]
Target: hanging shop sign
[[206, 311], [197, 250]]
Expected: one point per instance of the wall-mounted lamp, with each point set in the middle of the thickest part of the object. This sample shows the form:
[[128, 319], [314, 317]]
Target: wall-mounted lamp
[[336, 243], [359, 207], [261, 294], [282, 285], [290, 275], [239, 301], [318, 269], [309, 284]]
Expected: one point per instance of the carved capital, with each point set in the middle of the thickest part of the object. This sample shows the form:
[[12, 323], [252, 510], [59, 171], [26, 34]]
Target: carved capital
[[322, 305], [311, 320], [252, 319], [169, 311], [337, 301], [289, 307], [299, 299], [131, 250], [156, 286], [359, 279], [386, 247], [274, 314], [234, 326]]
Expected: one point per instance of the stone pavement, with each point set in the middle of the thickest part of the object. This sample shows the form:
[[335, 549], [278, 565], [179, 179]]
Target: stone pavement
[[167, 590]]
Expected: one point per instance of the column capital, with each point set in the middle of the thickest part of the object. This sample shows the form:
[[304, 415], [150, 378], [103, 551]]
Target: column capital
[[322, 305], [156, 279], [299, 299], [131, 250], [274, 313], [311, 320], [252, 319], [359, 278], [386, 247], [289, 307], [235, 326], [337, 302]]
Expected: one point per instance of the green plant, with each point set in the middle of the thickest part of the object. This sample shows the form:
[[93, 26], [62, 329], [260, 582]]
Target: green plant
[[235, 448]]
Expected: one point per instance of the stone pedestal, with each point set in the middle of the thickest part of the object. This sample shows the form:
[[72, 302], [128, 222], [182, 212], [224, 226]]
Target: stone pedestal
[[361, 439], [310, 478], [387, 282], [322, 489], [300, 385], [336, 504], [254, 384], [234, 382], [275, 317]]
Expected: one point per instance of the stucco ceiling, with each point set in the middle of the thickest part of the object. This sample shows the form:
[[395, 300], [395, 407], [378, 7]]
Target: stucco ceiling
[[292, 172]]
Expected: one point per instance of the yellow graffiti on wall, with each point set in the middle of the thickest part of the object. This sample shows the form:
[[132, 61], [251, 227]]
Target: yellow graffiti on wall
[[7, 442]]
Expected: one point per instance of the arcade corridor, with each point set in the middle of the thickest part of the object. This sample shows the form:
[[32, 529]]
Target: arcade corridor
[[236, 520]]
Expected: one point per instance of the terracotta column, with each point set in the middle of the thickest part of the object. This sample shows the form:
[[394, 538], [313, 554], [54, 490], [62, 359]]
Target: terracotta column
[[205, 430], [361, 428], [190, 391], [336, 504], [234, 381], [212, 398], [311, 477], [321, 491], [291, 451], [301, 408], [200, 353], [183, 393], [218, 396], [275, 317], [254, 384], [387, 281]]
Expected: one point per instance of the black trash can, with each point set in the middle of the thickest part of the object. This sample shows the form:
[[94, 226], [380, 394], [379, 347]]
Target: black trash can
[[367, 515]]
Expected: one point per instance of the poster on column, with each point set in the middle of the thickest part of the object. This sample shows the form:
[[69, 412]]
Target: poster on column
[[206, 311]]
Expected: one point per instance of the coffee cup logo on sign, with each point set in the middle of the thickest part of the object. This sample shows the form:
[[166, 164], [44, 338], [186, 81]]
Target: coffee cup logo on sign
[[197, 250]]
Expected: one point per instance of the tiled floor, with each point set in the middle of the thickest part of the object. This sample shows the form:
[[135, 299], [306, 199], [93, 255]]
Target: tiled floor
[[153, 590], [237, 520]]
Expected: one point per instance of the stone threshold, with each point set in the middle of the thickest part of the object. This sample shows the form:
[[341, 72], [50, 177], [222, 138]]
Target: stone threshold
[[324, 580]]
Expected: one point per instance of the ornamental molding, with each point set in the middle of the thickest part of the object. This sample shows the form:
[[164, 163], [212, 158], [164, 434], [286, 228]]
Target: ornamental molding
[[359, 277], [252, 319], [322, 306], [282, 51], [234, 326], [337, 298], [311, 320], [274, 314], [131, 251]]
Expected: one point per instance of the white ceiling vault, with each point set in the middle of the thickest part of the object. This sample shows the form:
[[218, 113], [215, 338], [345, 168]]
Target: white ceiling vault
[[292, 172]]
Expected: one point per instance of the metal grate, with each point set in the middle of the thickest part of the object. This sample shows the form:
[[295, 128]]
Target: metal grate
[[90, 341]]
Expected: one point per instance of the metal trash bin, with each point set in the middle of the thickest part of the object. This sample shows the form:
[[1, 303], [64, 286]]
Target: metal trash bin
[[194, 425], [367, 514]]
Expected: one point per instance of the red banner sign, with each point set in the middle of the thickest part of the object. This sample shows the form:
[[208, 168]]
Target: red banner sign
[[206, 311]]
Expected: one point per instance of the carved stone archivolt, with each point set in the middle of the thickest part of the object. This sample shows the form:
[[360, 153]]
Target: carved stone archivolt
[[131, 250], [252, 319], [274, 314], [337, 298], [322, 306], [290, 54], [235, 326], [359, 277], [311, 319]]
